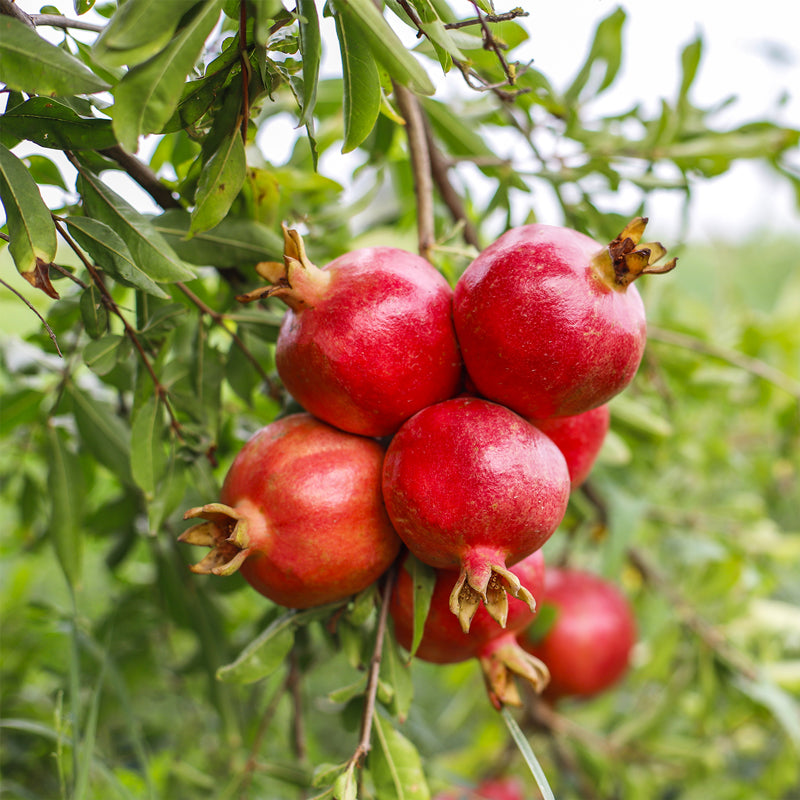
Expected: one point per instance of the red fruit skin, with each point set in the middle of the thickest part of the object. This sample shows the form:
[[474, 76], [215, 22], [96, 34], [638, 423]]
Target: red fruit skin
[[316, 527], [443, 641], [579, 438], [468, 485], [509, 788], [587, 650], [540, 331], [377, 346]]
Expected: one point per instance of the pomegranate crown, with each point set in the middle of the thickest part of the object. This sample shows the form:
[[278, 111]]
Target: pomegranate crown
[[624, 259]]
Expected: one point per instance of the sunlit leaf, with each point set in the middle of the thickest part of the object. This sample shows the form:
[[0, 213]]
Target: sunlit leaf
[[31, 64], [395, 764], [311, 50]]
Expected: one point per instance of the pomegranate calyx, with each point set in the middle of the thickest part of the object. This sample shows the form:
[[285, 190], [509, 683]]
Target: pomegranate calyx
[[624, 260], [502, 659], [297, 281], [225, 532]]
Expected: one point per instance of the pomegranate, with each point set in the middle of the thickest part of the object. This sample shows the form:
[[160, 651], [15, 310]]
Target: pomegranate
[[300, 515], [471, 486], [548, 320], [588, 646], [579, 438], [444, 642], [368, 340], [504, 788]]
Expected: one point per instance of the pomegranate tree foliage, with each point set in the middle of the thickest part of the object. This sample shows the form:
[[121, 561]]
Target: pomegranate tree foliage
[[133, 376]]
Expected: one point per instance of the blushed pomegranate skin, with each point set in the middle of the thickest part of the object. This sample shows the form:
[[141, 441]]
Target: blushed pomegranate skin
[[444, 642], [300, 514], [471, 486], [548, 320], [579, 438], [505, 788], [588, 647], [368, 340]]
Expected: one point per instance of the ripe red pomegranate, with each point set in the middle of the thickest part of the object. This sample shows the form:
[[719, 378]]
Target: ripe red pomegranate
[[579, 438], [301, 515], [368, 340], [548, 321], [505, 788], [444, 642], [588, 647], [471, 486]]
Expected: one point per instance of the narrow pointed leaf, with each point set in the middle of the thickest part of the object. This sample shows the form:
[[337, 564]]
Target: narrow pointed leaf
[[48, 123], [386, 46], [361, 102], [147, 445], [93, 312], [65, 492], [31, 64], [395, 765], [527, 753], [149, 250], [424, 578], [311, 50], [111, 254], [220, 181], [101, 355], [145, 99], [31, 229], [138, 30]]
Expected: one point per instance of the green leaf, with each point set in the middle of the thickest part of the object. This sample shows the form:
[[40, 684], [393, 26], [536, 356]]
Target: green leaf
[[311, 50], [269, 650], [424, 580], [434, 29], [396, 673], [111, 254], [66, 492], [31, 64], [145, 99], [103, 434], [49, 123], [361, 101], [147, 445], [690, 62], [138, 30], [93, 312], [386, 46], [234, 242], [602, 62], [778, 702], [101, 355], [220, 181], [44, 171], [527, 753], [31, 229], [395, 764], [149, 250]]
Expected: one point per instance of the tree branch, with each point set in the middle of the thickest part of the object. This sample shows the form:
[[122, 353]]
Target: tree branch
[[41, 318], [11, 9], [420, 166], [143, 175], [57, 21]]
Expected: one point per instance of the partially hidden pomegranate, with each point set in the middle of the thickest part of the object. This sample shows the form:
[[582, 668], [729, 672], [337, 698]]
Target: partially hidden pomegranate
[[587, 648], [300, 515], [471, 486], [368, 340], [548, 320], [503, 788], [579, 438], [496, 648]]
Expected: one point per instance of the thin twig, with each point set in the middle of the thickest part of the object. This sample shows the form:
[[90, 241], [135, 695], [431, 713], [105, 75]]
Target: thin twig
[[748, 363], [244, 58], [490, 43], [108, 301], [371, 692], [505, 17], [57, 21], [420, 166], [143, 175], [219, 319], [11, 9], [25, 300]]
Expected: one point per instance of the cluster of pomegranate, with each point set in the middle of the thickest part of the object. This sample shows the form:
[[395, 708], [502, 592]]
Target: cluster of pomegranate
[[450, 423]]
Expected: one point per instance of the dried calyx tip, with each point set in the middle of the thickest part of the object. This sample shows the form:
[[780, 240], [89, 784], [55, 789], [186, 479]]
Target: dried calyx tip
[[624, 260], [224, 530]]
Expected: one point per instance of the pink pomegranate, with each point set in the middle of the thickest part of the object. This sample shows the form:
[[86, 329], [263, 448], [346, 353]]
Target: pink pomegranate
[[301, 515], [444, 642], [548, 320], [471, 486], [368, 340], [579, 438], [588, 646], [502, 788]]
